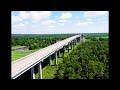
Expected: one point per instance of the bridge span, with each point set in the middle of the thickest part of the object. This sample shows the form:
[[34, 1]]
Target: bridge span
[[21, 65]]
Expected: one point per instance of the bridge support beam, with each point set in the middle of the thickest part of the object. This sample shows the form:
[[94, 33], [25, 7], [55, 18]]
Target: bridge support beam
[[32, 73], [79, 39], [63, 50], [58, 53], [55, 57], [71, 45], [68, 47], [50, 61], [40, 70], [75, 41]]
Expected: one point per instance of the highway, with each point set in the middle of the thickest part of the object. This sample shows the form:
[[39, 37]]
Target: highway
[[21, 65]]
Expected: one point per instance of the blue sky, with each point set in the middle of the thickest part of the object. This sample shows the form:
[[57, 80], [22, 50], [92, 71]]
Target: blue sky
[[59, 22]]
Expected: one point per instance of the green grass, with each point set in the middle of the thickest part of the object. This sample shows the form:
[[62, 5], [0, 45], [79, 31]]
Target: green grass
[[49, 71], [15, 47], [16, 55], [102, 37]]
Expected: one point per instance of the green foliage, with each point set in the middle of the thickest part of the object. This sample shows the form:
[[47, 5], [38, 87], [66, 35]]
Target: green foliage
[[89, 61], [37, 41], [97, 36]]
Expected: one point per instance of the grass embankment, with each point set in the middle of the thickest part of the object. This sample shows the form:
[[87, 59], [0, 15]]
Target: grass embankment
[[16, 55], [49, 71]]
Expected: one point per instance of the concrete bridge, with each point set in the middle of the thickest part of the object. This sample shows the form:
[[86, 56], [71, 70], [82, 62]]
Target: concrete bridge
[[28, 62]]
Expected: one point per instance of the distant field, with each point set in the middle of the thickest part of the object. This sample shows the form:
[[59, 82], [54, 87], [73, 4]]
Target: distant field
[[14, 47], [102, 37], [16, 55]]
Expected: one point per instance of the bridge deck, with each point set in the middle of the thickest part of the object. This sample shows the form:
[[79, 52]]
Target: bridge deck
[[23, 64]]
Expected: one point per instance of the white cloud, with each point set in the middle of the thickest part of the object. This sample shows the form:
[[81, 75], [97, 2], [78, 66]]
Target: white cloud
[[34, 16], [48, 22], [39, 15], [84, 23], [21, 24], [95, 13], [89, 20], [24, 15], [51, 26], [18, 25], [15, 19], [70, 21], [26, 22], [41, 22], [66, 15], [61, 24], [33, 25], [62, 21]]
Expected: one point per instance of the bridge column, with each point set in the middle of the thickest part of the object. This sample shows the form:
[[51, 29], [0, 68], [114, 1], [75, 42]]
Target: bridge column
[[55, 57], [50, 61], [71, 45], [78, 39], [63, 50], [58, 53], [68, 47], [40, 70], [32, 73], [75, 41]]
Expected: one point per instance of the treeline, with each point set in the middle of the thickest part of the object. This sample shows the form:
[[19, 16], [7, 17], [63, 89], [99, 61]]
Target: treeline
[[37, 41], [98, 39], [100, 35], [89, 61]]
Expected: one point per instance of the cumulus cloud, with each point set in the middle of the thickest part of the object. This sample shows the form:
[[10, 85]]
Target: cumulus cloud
[[95, 13], [15, 19], [39, 15], [48, 22], [41, 22], [61, 24], [66, 15], [24, 15], [84, 23], [62, 21], [64, 18], [34, 16], [51, 26]]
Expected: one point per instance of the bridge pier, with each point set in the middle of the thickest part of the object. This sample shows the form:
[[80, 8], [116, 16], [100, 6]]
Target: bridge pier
[[32, 73], [40, 70], [68, 47], [55, 57], [79, 39], [71, 45], [75, 41], [63, 50], [50, 61], [58, 53]]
